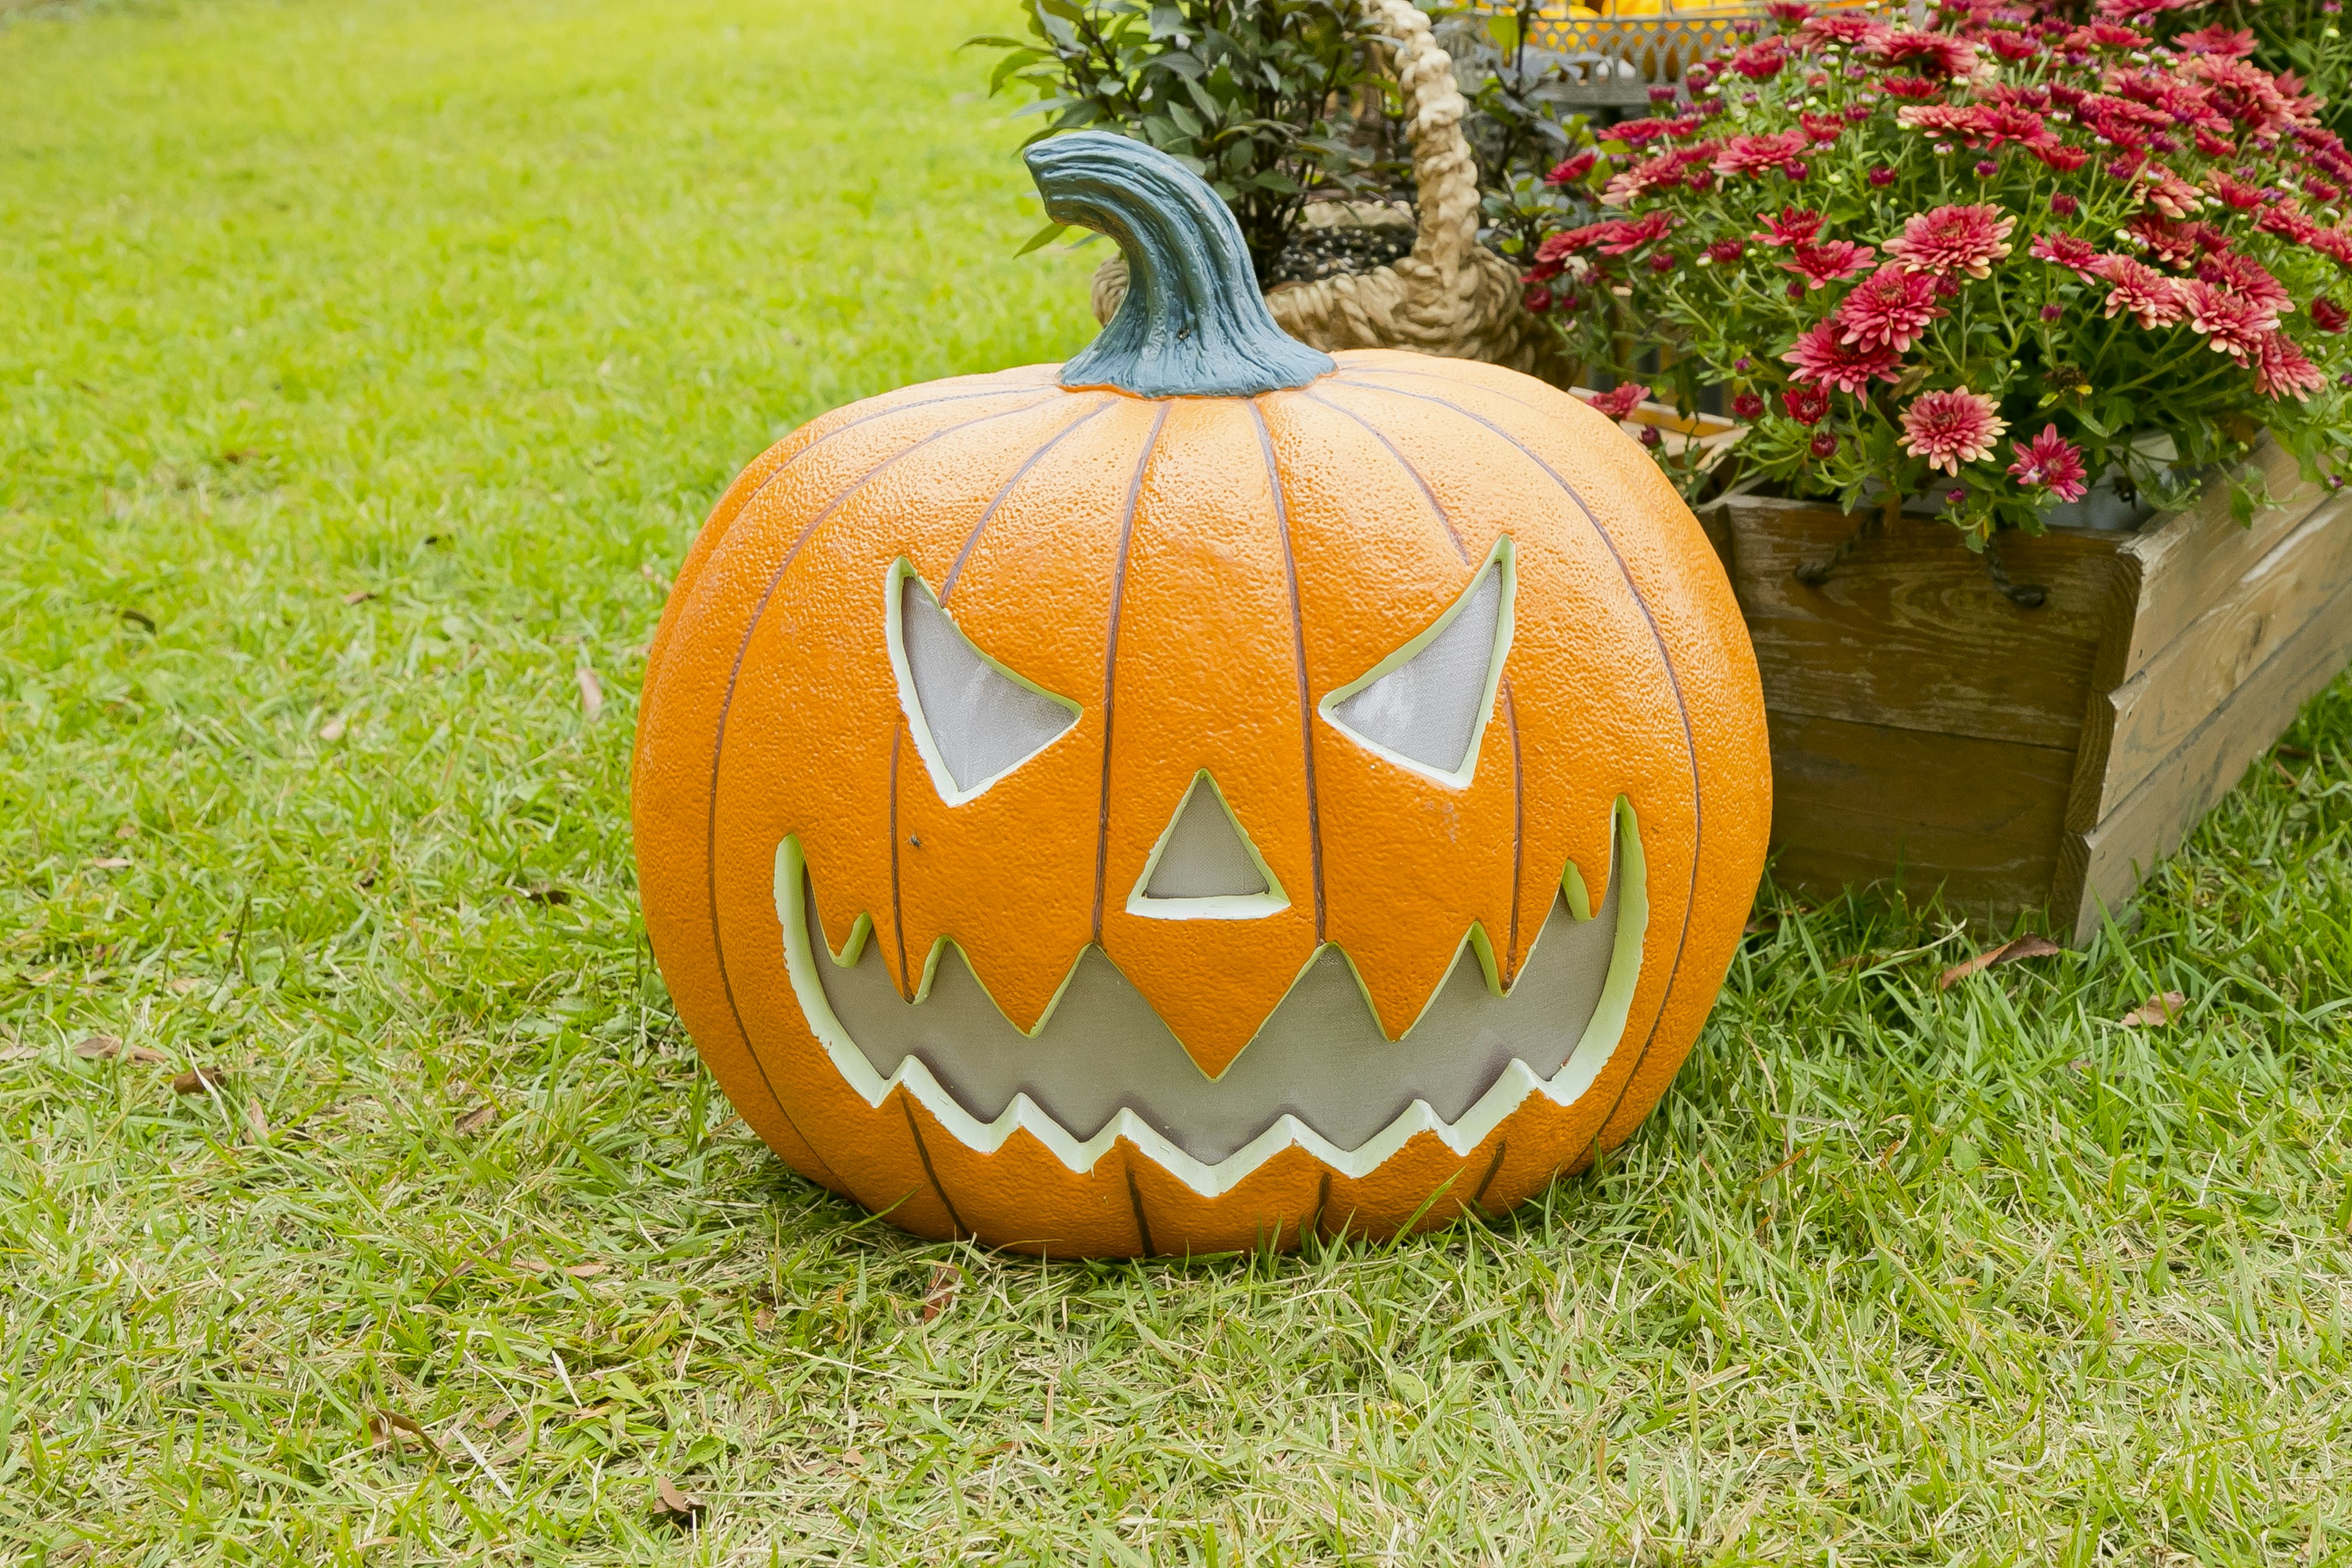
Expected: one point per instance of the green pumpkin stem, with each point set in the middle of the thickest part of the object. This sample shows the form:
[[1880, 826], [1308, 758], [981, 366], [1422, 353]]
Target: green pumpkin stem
[[1193, 323]]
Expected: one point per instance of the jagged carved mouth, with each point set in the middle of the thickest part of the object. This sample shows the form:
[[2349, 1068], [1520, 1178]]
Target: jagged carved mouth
[[1319, 1072]]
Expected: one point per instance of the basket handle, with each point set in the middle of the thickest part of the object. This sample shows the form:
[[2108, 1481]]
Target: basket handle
[[1445, 173]]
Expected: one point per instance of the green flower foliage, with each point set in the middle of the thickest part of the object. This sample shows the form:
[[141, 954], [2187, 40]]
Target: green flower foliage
[[1252, 95]]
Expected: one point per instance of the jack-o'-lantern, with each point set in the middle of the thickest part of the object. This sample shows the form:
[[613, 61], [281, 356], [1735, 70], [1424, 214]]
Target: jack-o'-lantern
[[1203, 793]]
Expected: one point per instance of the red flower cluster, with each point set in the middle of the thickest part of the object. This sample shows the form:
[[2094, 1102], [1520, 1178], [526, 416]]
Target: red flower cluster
[[2169, 219]]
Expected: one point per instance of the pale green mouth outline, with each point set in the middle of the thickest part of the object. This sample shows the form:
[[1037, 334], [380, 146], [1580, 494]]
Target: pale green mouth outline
[[1516, 1083]]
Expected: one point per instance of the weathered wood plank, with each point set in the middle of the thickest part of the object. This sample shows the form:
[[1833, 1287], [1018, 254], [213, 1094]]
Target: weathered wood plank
[[2144, 721], [1910, 633], [2174, 570], [1856, 804], [2104, 865]]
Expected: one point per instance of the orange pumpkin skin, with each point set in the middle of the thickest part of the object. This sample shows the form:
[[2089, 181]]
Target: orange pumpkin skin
[[1197, 573]]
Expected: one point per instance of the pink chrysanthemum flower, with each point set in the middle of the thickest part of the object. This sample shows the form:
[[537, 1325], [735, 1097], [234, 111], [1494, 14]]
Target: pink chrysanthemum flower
[[2232, 323], [1949, 429], [2328, 316], [1954, 239], [2139, 291], [1891, 307], [1843, 28], [2216, 39], [2237, 273], [1820, 358], [1936, 54], [1795, 226], [2065, 250], [1758, 154], [2049, 462], [2282, 371], [1620, 401], [1831, 261]]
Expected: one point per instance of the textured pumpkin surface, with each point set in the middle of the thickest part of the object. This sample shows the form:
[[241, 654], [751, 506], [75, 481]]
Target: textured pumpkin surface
[[1196, 573]]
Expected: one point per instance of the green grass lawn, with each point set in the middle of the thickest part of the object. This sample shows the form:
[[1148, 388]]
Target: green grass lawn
[[363, 370]]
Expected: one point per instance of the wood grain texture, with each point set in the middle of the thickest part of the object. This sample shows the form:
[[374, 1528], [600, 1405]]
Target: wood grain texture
[[1855, 804], [2135, 727], [2172, 571], [2101, 868], [1910, 633]]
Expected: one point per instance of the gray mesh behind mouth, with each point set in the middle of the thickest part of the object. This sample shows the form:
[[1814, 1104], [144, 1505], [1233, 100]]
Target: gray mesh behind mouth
[[981, 723], [1320, 1056], [1428, 707], [1204, 856]]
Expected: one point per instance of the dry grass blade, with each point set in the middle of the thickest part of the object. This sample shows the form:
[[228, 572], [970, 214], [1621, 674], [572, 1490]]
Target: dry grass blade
[[2007, 953], [110, 863], [358, 595], [946, 1280], [592, 693], [199, 1080], [2156, 1011]]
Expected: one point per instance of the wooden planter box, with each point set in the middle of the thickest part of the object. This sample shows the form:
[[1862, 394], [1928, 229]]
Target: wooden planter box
[[1930, 733]]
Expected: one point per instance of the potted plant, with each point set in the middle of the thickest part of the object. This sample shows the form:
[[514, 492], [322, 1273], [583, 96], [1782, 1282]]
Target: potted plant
[[2050, 290]]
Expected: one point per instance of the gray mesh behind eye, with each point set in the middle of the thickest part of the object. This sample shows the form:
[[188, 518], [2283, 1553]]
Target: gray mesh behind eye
[[1205, 858], [980, 722], [1428, 708]]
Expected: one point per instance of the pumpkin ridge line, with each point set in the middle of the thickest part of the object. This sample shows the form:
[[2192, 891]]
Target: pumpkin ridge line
[[719, 750], [1518, 828], [947, 583], [1403, 462], [1298, 655], [846, 425], [898, 910], [1110, 659], [1682, 708], [923, 1153]]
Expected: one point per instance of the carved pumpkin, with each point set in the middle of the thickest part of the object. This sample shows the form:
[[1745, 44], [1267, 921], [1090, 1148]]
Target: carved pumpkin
[[1202, 793]]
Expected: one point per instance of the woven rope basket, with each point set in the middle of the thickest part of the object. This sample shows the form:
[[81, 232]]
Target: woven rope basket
[[1452, 296]]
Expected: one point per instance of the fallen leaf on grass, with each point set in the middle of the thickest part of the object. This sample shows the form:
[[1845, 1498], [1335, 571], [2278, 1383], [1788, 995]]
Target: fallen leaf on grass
[[199, 1080], [673, 1504], [110, 863], [332, 730], [2007, 953], [945, 1278], [588, 1270], [474, 1119], [17, 1051], [762, 1318], [105, 1047], [358, 595], [385, 1426], [2155, 1011], [257, 1125], [592, 692]]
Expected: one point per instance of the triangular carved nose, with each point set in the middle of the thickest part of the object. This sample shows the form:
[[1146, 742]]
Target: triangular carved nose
[[1205, 866]]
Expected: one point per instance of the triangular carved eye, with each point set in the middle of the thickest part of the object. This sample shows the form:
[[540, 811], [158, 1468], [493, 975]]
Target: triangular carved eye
[[1424, 707], [973, 720], [1205, 866]]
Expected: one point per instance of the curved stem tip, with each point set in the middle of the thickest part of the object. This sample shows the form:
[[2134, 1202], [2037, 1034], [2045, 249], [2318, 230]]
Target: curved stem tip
[[1193, 323]]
